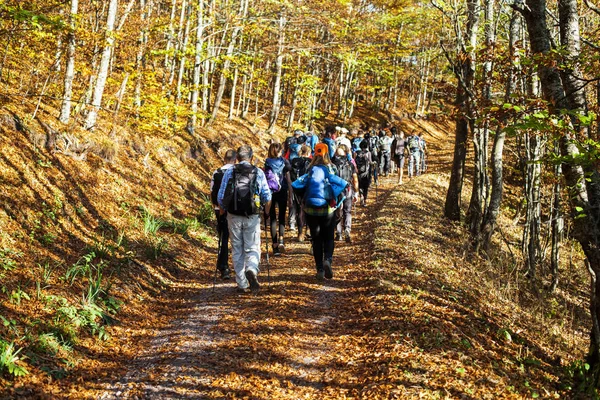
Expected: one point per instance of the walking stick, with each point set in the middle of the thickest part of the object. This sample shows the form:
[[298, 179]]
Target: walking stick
[[218, 253]]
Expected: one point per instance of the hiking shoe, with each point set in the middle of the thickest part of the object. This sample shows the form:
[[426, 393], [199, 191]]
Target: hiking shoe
[[347, 236], [338, 236], [320, 275], [242, 290], [276, 251], [225, 274], [281, 248], [328, 272], [251, 276], [293, 228], [301, 237]]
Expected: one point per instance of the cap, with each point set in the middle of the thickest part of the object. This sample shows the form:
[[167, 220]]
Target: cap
[[344, 130], [321, 149], [298, 132]]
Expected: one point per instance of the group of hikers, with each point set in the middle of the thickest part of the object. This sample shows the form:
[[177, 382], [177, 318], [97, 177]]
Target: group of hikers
[[318, 179]]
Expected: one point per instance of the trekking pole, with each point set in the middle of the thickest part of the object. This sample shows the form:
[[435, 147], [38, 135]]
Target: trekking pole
[[267, 254], [218, 253]]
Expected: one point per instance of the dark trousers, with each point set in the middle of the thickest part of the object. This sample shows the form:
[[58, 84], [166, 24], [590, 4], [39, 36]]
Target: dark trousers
[[279, 200], [223, 234], [345, 214], [385, 162], [322, 229], [363, 186]]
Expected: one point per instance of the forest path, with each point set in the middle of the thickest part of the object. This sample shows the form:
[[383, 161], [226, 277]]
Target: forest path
[[406, 316], [291, 340]]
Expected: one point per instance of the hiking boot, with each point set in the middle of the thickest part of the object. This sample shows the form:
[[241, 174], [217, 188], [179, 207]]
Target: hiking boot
[[276, 251], [251, 276], [225, 274], [281, 247], [320, 275], [242, 290], [338, 236], [293, 228], [328, 272], [347, 236]]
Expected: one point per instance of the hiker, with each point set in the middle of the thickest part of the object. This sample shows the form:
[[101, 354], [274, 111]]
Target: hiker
[[321, 187], [277, 172], [311, 140], [299, 168], [398, 149], [347, 171], [342, 139], [422, 153], [413, 145], [243, 190], [385, 144], [329, 140], [294, 148], [364, 164], [222, 229]]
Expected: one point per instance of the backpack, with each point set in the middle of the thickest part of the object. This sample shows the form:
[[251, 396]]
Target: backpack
[[362, 164], [272, 180], [299, 167], [289, 142], [241, 193], [344, 169], [217, 179], [374, 145], [274, 173], [318, 189], [413, 143], [294, 151]]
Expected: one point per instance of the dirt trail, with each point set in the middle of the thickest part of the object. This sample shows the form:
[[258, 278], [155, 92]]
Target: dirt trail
[[289, 341]]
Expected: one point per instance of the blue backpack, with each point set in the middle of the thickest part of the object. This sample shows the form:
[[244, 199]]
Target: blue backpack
[[331, 145]]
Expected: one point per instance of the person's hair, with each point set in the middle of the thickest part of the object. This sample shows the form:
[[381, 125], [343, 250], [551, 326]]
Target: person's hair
[[320, 160], [345, 148], [274, 150], [244, 153], [329, 130], [304, 151], [230, 156]]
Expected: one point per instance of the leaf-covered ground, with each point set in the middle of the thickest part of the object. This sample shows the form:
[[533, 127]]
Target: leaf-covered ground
[[411, 312]]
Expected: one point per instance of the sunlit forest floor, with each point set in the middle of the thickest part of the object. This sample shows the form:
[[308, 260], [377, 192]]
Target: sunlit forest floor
[[410, 313]]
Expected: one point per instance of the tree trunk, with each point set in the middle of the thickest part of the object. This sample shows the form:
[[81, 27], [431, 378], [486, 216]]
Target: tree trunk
[[197, 68], [278, 71], [92, 116], [465, 71], [65, 109], [493, 210]]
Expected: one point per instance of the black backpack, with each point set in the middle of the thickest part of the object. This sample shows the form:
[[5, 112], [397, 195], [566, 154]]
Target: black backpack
[[299, 167], [241, 194], [362, 163], [344, 169], [217, 179], [288, 142]]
